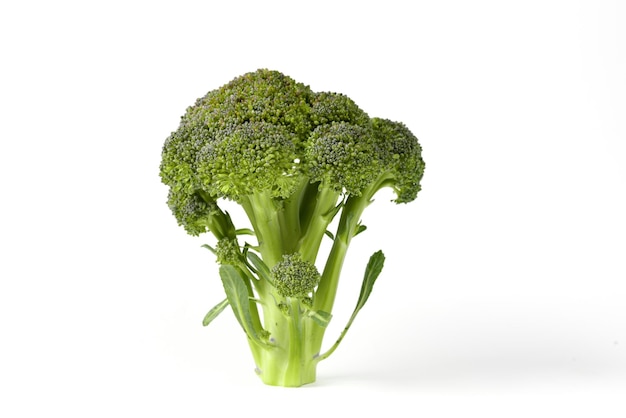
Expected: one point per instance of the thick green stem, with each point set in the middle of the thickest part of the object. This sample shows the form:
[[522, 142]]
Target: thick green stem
[[291, 224], [266, 221], [316, 223], [291, 361]]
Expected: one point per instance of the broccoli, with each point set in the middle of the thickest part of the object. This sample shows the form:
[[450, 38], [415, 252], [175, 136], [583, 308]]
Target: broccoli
[[294, 160]]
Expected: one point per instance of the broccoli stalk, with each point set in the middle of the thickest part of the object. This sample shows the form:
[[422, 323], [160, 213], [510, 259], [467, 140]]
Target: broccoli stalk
[[294, 160]]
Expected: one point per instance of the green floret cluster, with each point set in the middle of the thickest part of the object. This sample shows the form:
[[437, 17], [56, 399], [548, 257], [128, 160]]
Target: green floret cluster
[[227, 251], [294, 160], [294, 277]]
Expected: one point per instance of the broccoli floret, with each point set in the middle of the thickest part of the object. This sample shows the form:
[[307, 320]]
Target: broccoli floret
[[339, 157], [294, 160], [294, 277], [227, 252]]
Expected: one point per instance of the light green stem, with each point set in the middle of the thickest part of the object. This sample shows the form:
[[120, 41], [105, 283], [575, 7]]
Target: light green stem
[[290, 362]]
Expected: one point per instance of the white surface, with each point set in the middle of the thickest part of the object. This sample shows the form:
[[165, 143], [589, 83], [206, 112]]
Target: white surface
[[504, 290]]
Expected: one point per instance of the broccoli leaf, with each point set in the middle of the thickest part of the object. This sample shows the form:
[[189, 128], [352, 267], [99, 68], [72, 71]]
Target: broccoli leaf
[[373, 269], [208, 247], [239, 299], [360, 229], [214, 312], [262, 270]]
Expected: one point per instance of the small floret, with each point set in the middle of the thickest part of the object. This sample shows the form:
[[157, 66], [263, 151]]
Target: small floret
[[227, 251], [401, 158], [294, 277]]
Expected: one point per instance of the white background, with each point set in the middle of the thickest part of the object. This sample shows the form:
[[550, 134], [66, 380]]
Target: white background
[[504, 289]]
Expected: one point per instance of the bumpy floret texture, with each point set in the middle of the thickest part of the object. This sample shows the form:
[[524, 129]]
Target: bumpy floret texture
[[191, 210], [400, 154], [249, 157], [294, 277], [227, 251], [339, 156], [265, 133]]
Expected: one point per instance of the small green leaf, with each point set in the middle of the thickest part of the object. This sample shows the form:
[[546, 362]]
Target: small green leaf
[[360, 229], [373, 269], [244, 231], [213, 313], [249, 246], [330, 234], [236, 293], [321, 318], [239, 299], [333, 211], [262, 270], [208, 247]]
